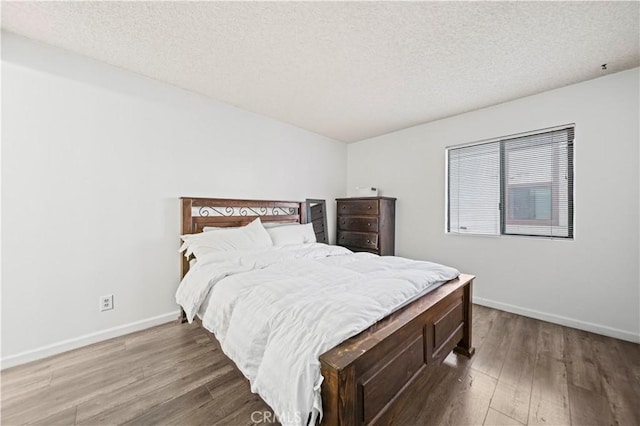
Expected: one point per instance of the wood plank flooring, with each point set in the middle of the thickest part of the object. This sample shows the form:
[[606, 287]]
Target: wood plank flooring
[[525, 372]]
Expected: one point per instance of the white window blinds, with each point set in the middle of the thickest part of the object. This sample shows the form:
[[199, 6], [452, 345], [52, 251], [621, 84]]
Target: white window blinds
[[516, 186]]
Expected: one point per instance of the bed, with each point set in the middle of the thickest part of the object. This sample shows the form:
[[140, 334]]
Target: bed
[[369, 377]]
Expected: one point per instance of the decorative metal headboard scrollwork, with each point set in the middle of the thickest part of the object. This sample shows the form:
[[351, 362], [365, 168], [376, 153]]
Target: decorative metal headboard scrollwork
[[207, 211]]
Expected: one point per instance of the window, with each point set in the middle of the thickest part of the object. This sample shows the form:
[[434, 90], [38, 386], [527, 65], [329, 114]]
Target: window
[[522, 185]]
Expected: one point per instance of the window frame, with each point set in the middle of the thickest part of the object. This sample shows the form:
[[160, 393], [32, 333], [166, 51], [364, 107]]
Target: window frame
[[504, 186]]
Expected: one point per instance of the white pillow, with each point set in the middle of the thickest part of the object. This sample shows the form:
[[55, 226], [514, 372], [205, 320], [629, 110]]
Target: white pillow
[[292, 234], [250, 237]]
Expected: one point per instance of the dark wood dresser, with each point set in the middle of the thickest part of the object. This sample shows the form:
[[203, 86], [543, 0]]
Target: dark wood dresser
[[367, 224]]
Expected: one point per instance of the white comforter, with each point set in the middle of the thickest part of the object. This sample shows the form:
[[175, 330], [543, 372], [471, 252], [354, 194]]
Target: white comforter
[[276, 311]]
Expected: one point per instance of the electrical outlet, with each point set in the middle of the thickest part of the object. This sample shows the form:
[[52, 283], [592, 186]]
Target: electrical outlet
[[106, 303]]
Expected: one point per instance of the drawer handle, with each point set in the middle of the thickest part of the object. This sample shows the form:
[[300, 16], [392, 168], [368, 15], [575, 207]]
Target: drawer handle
[[342, 237], [369, 207], [344, 207], [368, 241], [368, 224]]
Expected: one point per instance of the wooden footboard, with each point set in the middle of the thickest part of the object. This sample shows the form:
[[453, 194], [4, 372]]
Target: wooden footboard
[[367, 377]]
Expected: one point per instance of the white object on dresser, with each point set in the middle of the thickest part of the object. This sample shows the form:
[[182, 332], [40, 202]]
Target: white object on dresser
[[366, 191]]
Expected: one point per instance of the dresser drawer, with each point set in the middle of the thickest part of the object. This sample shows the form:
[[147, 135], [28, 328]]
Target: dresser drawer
[[358, 207], [362, 224], [358, 239]]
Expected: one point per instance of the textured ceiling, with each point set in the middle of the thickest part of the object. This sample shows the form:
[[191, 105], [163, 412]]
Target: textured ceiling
[[346, 70]]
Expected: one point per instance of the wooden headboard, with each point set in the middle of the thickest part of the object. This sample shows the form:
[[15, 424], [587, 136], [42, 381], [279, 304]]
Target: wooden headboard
[[223, 212]]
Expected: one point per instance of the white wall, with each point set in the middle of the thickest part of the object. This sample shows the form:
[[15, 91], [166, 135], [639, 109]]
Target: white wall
[[591, 282], [93, 162]]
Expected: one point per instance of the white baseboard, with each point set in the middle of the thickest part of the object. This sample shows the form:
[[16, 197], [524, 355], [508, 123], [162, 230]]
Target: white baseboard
[[558, 319], [87, 339]]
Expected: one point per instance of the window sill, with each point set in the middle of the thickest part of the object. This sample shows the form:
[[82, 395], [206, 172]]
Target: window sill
[[509, 236]]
